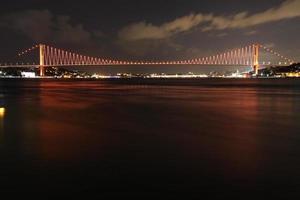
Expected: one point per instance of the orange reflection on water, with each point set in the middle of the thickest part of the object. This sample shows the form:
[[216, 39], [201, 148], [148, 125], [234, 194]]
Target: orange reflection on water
[[2, 112], [64, 130], [228, 139]]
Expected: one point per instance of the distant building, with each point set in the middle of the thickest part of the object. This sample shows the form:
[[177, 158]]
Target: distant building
[[28, 74]]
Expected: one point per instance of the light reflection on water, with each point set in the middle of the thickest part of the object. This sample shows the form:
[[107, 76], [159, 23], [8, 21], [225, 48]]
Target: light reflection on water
[[2, 112], [211, 136]]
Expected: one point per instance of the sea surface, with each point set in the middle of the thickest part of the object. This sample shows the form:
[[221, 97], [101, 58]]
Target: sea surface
[[197, 138]]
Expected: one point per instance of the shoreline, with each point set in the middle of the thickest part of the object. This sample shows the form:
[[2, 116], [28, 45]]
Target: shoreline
[[149, 78]]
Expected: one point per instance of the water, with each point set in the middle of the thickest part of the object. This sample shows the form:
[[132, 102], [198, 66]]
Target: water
[[148, 138]]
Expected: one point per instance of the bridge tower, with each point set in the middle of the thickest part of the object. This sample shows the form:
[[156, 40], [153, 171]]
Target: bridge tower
[[42, 48], [255, 58]]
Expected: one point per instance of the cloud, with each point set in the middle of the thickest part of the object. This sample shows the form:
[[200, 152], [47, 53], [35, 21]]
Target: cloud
[[287, 10], [252, 32], [35, 24], [149, 49], [42, 25], [64, 31], [220, 35], [99, 34], [208, 22], [269, 45], [143, 30]]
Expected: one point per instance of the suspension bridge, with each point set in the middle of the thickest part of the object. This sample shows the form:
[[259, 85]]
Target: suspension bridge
[[246, 56]]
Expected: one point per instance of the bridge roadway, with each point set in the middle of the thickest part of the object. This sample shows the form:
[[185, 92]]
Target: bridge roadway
[[134, 64]]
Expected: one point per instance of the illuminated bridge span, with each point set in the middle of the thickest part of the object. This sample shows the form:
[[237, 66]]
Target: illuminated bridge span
[[245, 56]]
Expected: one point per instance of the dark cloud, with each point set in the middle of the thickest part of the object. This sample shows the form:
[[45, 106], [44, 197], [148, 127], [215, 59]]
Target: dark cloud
[[149, 49], [42, 25], [251, 32], [35, 24]]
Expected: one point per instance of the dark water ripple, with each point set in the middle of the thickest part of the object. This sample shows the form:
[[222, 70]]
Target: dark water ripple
[[151, 138]]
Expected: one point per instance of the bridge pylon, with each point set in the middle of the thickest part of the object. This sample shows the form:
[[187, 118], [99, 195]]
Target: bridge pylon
[[256, 58], [42, 48]]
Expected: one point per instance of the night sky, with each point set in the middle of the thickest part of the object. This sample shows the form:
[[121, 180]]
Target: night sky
[[150, 30]]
